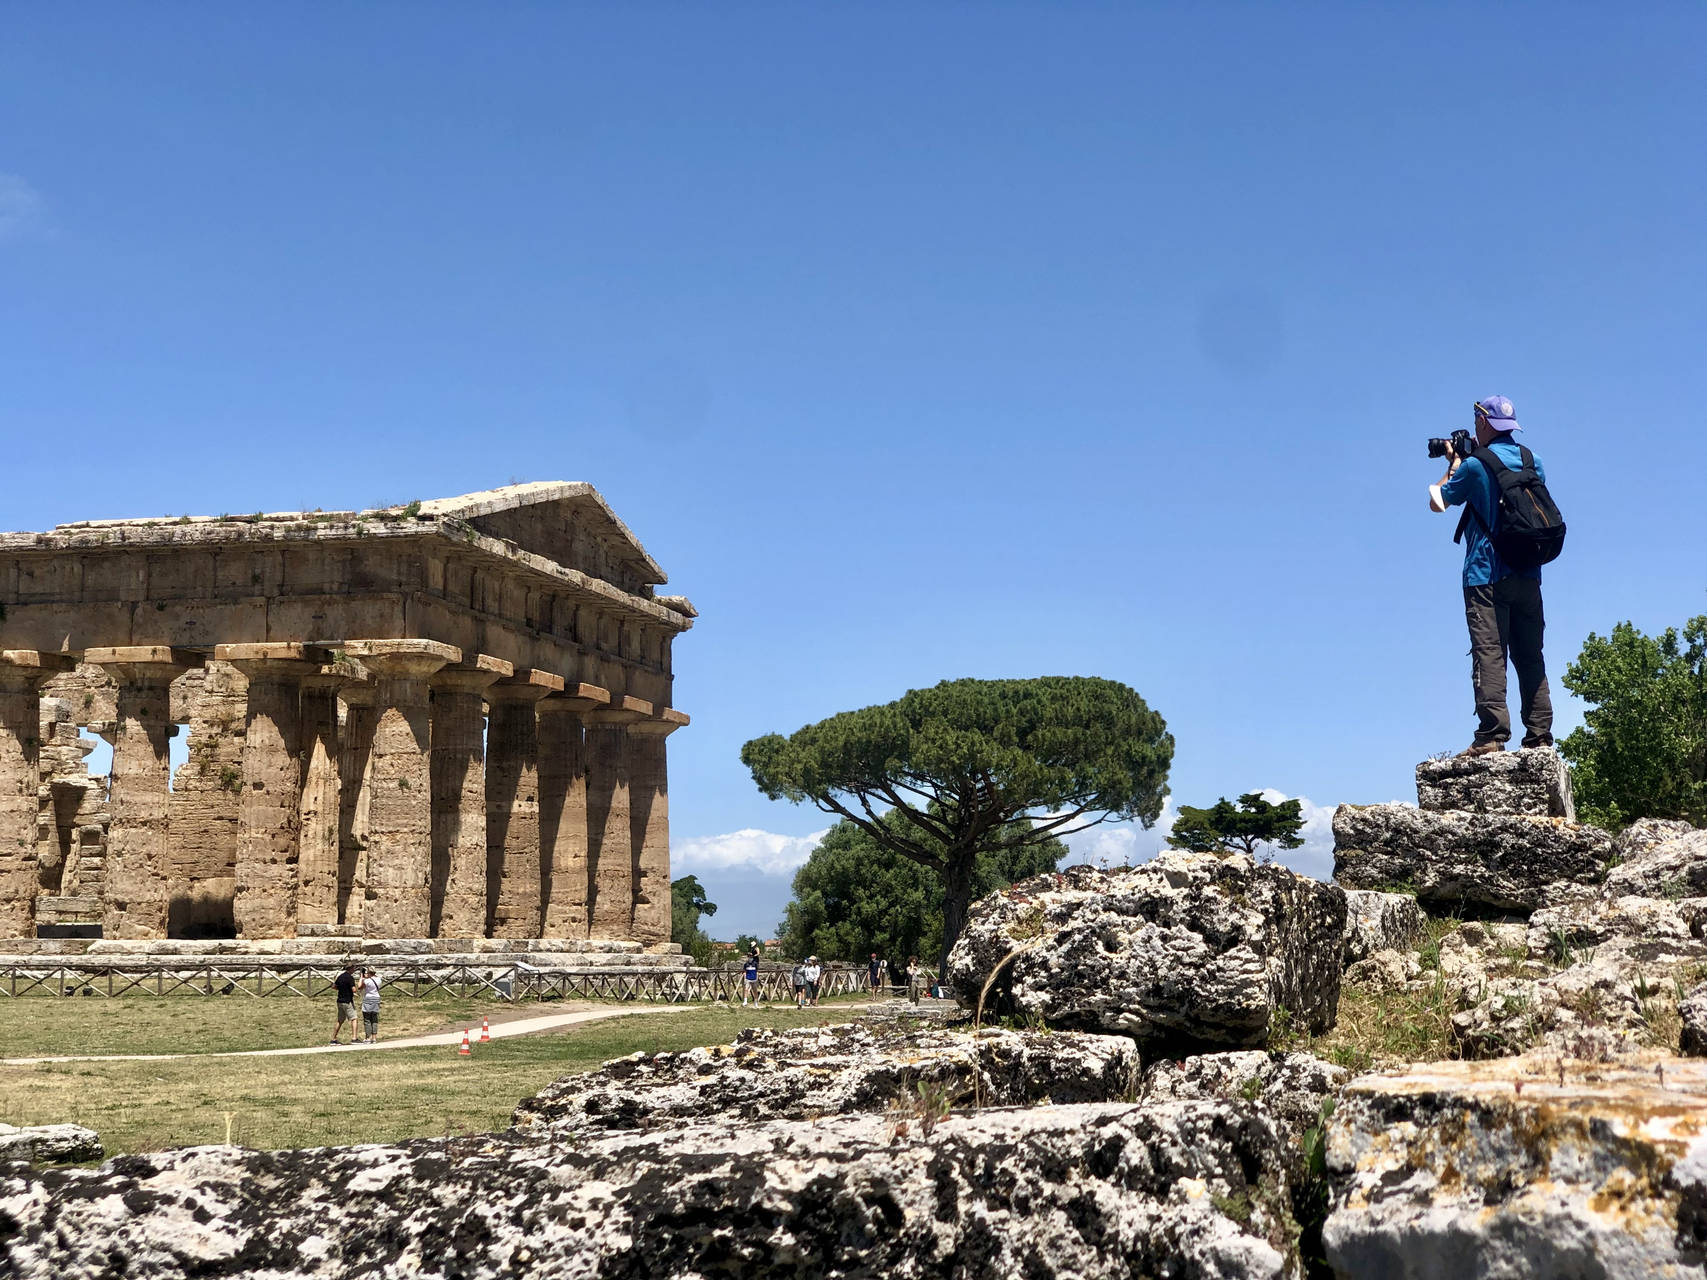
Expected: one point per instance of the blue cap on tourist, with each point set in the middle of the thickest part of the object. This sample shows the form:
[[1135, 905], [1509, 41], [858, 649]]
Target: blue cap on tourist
[[1498, 411]]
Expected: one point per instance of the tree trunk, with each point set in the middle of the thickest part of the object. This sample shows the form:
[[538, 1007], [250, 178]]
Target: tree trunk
[[957, 901]]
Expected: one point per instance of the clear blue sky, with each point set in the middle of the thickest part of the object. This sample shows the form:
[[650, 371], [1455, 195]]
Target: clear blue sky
[[915, 341]]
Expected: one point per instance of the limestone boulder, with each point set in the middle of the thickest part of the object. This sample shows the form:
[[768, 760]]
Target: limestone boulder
[[1188, 950], [1661, 862], [1195, 1190], [1534, 782], [1468, 861], [1498, 1169], [50, 1143], [1385, 971], [1692, 1013], [820, 1071], [1292, 1087], [1376, 921]]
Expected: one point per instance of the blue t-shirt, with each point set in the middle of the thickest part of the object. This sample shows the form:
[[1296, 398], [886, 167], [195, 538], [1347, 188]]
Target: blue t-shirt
[[751, 973], [1471, 483]]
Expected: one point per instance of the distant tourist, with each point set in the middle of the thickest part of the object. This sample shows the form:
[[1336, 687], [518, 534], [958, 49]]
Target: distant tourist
[[813, 972], [370, 1007], [874, 974], [915, 976], [346, 987], [798, 979], [750, 980]]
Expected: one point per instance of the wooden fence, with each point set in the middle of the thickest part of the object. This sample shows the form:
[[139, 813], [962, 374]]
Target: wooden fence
[[511, 982]]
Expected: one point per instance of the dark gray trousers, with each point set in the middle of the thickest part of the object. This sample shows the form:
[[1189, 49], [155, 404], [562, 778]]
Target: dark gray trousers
[[1506, 619]]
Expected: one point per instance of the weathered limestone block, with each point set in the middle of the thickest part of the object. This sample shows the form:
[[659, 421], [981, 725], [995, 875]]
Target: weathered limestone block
[[1384, 970], [1654, 931], [207, 792], [1467, 860], [823, 1071], [399, 782], [1692, 1012], [512, 803], [1194, 1190], [67, 1143], [1189, 948], [1292, 1086], [1376, 921], [317, 863], [137, 892], [1661, 861], [1497, 1169], [355, 798], [459, 795], [1535, 781]]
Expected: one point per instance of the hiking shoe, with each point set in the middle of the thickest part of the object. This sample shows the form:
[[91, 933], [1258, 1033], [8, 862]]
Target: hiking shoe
[[1481, 749]]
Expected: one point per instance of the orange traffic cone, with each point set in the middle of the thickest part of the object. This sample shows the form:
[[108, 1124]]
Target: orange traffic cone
[[464, 1051], [485, 1031]]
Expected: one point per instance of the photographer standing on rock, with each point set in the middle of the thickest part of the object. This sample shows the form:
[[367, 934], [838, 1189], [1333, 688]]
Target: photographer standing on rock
[[1510, 529]]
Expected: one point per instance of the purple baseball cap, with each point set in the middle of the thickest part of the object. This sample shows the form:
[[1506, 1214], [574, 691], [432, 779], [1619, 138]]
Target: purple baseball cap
[[1498, 411]]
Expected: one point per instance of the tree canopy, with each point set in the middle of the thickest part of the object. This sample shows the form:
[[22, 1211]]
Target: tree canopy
[[1642, 749], [1245, 827], [687, 904], [972, 763], [854, 896]]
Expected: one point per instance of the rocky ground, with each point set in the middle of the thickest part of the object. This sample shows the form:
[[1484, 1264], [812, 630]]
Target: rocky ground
[[1139, 1100]]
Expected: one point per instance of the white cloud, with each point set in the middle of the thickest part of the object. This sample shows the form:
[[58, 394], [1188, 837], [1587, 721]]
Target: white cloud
[[20, 206], [748, 849]]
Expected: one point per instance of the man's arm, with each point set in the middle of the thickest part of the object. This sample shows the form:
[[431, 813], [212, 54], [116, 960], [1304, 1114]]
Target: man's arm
[[1435, 501]]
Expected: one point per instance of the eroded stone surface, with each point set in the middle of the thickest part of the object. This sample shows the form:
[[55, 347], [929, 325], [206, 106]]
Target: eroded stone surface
[[1499, 1169], [1188, 948], [1182, 1189], [1692, 1011], [1536, 782], [1481, 862], [819, 1071], [1292, 1086], [1376, 921], [50, 1142], [1661, 861]]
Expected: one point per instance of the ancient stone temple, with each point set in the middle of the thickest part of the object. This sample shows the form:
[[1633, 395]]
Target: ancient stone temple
[[444, 720]]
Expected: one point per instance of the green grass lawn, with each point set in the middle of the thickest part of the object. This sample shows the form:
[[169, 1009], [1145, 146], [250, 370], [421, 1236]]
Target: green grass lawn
[[354, 1095]]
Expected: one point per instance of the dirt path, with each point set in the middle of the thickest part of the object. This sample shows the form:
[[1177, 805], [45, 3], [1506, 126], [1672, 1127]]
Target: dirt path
[[500, 1031]]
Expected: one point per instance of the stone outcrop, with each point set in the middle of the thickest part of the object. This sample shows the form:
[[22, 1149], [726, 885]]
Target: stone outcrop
[[1376, 921], [61, 1143], [1660, 860], [1468, 861], [1504, 1169], [1193, 1189], [1535, 781], [1188, 949], [1692, 1012], [822, 1071], [1292, 1087]]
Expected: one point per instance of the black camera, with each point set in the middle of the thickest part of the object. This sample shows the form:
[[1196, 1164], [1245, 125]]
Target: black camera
[[1461, 445]]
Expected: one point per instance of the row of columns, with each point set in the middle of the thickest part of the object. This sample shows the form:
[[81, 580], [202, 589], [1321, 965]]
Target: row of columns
[[400, 821]]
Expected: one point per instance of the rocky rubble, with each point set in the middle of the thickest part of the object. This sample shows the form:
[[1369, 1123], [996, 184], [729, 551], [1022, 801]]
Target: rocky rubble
[[1191, 1189], [819, 1071], [1521, 1167], [1534, 781], [1186, 950], [1660, 860], [1376, 921], [1467, 861], [68, 1143]]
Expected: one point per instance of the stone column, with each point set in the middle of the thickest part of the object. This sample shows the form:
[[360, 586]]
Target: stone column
[[355, 751], [649, 823], [137, 892], [22, 672], [513, 889], [611, 871], [459, 796], [318, 867], [400, 805], [563, 809], [269, 810]]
